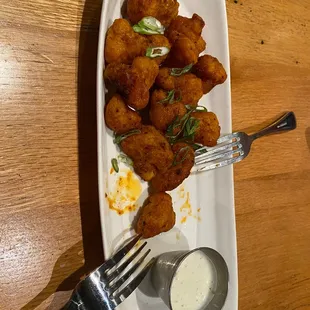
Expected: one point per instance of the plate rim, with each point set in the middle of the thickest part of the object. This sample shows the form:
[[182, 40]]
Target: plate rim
[[100, 91]]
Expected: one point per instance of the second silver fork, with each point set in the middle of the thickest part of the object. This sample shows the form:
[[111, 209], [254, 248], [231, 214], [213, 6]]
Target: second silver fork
[[103, 289], [235, 147]]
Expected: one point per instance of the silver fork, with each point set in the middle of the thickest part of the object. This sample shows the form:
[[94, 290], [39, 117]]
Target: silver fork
[[100, 290], [234, 147]]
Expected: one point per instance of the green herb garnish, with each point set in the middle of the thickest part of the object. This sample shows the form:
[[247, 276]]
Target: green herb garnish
[[125, 159], [119, 138], [149, 25], [199, 108], [153, 52], [175, 162], [184, 129], [180, 71], [196, 146], [115, 164], [171, 97]]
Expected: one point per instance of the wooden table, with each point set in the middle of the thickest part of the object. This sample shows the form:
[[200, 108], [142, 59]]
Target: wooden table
[[48, 170]]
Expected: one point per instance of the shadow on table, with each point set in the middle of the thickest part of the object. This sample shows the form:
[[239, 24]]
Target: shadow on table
[[88, 183]]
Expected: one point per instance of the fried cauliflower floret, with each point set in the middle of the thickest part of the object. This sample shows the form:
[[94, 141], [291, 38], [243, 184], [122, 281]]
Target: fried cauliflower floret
[[208, 130], [149, 151], [158, 40], [163, 10], [182, 53], [156, 216], [162, 113], [188, 85], [119, 117], [123, 44], [178, 172], [187, 43], [210, 71], [134, 81], [188, 27]]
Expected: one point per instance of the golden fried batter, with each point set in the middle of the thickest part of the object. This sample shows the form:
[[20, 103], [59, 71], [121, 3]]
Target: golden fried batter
[[188, 85], [163, 10], [119, 117], [178, 172], [123, 44], [182, 53], [208, 130], [133, 81], [187, 43], [188, 27], [211, 71], [157, 216], [162, 114], [149, 151]]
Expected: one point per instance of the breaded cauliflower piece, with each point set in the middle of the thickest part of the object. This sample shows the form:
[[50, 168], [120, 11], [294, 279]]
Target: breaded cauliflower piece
[[123, 44], [149, 151], [119, 117], [208, 130], [162, 113], [188, 27], [182, 53], [135, 81], [178, 172], [163, 10], [188, 85], [187, 43], [210, 71], [156, 216]]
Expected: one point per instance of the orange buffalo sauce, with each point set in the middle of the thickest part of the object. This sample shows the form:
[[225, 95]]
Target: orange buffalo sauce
[[125, 194], [187, 208]]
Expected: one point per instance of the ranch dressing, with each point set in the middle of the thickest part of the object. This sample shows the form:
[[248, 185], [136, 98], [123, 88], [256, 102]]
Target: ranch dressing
[[191, 287]]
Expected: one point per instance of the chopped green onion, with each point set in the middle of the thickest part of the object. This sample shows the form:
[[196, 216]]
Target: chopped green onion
[[119, 138], [115, 164], [196, 146], [199, 108], [180, 71], [175, 162], [154, 52], [183, 129], [171, 97], [125, 159], [149, 25]]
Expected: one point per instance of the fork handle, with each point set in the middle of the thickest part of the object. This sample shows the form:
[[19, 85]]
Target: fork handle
[[286, 122]]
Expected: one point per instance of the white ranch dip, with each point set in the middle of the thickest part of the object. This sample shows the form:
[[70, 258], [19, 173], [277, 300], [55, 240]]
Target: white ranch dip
[[192, 285]]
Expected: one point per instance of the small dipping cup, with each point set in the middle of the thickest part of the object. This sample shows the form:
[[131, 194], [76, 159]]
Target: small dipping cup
[[166, 266]]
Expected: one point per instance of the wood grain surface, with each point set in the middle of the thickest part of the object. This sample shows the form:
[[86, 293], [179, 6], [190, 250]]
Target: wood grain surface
[[50, 231]]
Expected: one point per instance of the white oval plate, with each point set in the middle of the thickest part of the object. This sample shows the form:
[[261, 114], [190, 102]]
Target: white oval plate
[[211, 220]]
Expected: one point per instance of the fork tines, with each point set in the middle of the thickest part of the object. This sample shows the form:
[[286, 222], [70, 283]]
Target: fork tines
[[114, 277], [227, 151]]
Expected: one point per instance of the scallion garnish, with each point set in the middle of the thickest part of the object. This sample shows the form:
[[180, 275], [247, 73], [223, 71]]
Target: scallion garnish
[[171, 97], [185, 149], [184, 129], [115, 164], [119, 138], [149, 25], [180, 71], [199, 108], [125, 159], [154, 52]]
